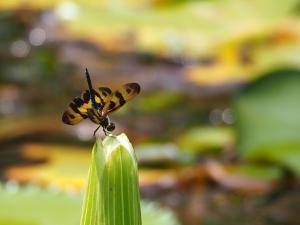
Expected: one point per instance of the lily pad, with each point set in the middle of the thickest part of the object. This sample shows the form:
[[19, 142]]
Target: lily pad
[[205, 139], [267, 118], [31, 205]]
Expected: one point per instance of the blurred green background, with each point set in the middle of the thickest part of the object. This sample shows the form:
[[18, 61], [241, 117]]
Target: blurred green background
[[216, 127]]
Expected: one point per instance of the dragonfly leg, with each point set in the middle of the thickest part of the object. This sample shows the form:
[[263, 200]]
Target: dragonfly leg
[[97, 130]]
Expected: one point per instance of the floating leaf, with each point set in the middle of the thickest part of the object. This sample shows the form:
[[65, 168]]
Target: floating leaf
[[267, 117], [31, 205], [203, 139]]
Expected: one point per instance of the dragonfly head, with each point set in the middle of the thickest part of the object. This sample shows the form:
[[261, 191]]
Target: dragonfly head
[[110, 127], [107, 124]]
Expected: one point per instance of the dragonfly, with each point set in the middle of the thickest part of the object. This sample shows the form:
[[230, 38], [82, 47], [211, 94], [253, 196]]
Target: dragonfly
[[97, 104]]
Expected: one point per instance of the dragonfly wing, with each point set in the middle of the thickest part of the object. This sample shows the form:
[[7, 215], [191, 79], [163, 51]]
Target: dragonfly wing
[[102, 96], [77, 110], [79, 107], [120, 97]]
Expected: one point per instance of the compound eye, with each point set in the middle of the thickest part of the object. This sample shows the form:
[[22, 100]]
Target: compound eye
[[110, 127]]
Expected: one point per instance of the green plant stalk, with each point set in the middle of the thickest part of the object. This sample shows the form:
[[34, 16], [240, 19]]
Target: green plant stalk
[[112, 196]]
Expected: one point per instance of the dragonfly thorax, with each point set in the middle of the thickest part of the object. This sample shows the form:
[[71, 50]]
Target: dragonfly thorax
[[96, 116]]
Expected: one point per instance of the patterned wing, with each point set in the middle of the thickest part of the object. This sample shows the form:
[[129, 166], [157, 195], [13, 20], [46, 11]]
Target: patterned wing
[[78, 108], [102, 96], [120, 97]]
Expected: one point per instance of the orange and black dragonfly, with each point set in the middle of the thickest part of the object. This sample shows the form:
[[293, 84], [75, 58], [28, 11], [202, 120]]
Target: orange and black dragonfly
[[96, 104]]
